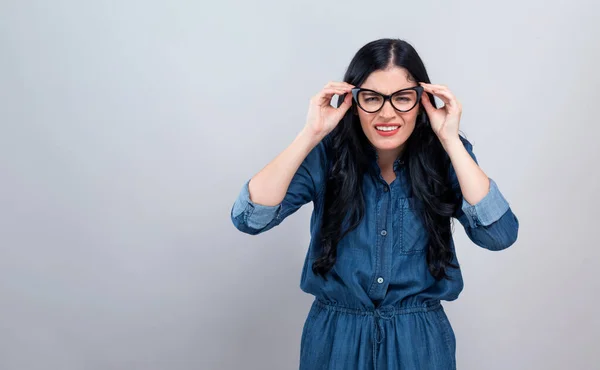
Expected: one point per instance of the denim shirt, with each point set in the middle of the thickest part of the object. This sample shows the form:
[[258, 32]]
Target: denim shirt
[[383, 260]]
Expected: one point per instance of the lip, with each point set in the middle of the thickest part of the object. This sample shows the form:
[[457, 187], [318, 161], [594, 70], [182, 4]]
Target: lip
[[388, 133]]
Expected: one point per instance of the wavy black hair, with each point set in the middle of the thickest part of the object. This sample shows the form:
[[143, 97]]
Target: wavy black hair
[[351, 155]]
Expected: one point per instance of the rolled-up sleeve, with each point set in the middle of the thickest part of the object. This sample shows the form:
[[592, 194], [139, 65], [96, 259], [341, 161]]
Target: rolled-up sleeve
[[488, 210], [256, 216], [253, 218], [490, 223]]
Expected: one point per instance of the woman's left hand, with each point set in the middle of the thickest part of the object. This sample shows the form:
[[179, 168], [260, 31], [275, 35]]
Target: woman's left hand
[[444, 121]]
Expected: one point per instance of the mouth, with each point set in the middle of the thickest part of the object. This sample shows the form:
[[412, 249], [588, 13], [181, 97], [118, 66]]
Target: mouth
[[387, 129]]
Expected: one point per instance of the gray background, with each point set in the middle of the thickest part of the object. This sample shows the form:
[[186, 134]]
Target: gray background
[[129, 127]]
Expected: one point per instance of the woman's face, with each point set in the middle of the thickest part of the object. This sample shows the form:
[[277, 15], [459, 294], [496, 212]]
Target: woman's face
[[387, 82]]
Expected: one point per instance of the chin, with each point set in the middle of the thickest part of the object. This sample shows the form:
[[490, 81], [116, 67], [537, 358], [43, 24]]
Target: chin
[[388, 143]]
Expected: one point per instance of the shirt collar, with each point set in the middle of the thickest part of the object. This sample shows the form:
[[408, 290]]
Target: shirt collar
[[374, 156]]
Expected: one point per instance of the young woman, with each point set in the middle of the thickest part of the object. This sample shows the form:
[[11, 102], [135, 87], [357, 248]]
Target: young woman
[[386, 172]]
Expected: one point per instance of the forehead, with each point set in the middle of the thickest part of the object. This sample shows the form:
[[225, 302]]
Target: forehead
[[389, 80]]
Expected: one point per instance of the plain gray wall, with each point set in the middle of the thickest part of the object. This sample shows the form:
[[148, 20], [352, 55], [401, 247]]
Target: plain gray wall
[[129, 127]]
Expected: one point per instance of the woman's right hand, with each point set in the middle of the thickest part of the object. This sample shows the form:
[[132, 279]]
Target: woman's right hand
[[322, 117]]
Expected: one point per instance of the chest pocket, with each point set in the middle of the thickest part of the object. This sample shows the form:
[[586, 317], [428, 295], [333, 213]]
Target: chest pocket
[[413, 238]]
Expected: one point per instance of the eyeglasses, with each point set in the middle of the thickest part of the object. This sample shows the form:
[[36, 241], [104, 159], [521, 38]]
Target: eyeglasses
[[402, 100]]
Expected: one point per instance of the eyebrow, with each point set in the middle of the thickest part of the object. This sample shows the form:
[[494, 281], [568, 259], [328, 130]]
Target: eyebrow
[[404, 88]]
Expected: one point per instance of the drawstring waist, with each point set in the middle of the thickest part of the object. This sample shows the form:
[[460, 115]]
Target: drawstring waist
[[379, 314]]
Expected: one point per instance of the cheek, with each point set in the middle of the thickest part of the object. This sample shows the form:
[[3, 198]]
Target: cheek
[[365, 120], [410, 124], [411, 116]]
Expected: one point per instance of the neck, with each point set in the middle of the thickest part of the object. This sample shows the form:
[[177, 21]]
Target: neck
[[386, 158]]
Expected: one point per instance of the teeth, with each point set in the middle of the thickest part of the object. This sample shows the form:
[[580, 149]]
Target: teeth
[[386, 128]]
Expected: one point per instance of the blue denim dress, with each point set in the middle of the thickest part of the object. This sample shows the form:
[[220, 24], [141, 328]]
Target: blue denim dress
[[380, 307]]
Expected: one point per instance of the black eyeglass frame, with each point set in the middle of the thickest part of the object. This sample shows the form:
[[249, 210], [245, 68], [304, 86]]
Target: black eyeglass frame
[[357, 90]]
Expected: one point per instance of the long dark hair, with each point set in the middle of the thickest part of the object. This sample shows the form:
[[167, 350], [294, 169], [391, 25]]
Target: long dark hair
[[351, 153]]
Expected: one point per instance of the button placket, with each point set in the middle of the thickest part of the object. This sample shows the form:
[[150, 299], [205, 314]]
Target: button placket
[[381, 268]]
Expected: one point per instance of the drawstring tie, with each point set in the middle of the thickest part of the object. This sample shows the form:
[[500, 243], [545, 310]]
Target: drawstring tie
[[379, 315]]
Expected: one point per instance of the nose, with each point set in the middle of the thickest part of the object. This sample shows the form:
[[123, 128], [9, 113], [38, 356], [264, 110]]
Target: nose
[[387, 111]]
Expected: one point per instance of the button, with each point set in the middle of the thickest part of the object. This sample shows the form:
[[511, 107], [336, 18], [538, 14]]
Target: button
[[383, 232], [380, 280], [386, 189]]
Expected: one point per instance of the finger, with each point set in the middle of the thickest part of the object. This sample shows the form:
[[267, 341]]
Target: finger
[[443, 93], [348, 100], [339, 83], [346, 104], [329, 92], [335, 90], [338, 113], [343, 101], [445, 96], [325, 95], [431, 87], [435, 86], [429, 108], [343, 85], [440, 89], [448, 98]]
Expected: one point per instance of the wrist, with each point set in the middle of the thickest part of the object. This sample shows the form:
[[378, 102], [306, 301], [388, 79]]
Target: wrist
[[452, 143], [310, 137]]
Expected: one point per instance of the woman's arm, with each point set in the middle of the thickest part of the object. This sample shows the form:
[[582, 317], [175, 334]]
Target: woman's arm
[[295, 176], [268, 187], [289, 181], [484, 213]]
